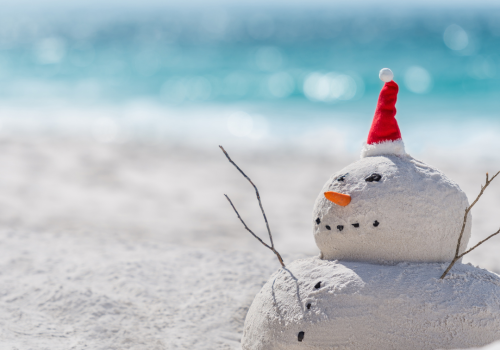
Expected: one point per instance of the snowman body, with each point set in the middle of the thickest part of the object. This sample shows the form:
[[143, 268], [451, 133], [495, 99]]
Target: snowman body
[[387, 227], [322, 305]]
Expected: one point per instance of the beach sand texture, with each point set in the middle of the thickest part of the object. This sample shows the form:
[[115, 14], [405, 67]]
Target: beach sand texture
[[133, 246]]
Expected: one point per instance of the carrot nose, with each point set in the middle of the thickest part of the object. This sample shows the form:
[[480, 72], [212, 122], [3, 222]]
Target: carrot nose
[[338, 198]]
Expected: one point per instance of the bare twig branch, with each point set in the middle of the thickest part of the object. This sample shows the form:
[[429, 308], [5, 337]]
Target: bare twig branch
[[253, 234], [467, 210], [477, 245], [261, 209]]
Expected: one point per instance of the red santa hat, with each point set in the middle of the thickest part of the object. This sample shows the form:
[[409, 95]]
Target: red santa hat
[[384, 136]]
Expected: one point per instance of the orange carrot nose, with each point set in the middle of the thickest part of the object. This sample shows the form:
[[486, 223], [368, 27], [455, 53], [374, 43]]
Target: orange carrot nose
[[338, 198]]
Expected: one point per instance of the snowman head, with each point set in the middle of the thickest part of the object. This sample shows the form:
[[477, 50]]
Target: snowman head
[[388, 206]]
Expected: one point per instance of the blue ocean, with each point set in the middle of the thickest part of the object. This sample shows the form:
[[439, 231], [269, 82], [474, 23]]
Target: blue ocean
[[303, 77]]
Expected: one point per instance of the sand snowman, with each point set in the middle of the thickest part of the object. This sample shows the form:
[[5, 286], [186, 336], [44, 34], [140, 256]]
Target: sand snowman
[[387, 227]]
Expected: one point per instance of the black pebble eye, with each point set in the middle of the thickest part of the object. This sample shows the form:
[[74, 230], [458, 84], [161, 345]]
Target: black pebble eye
[[318, 285], [355, 225], [308, 306], [341, 177], [376, 223], [373, 177], [300, 337], [328, 227], [318, 221]]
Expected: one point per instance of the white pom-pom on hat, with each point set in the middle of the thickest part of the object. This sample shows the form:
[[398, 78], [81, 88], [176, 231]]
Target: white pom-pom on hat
[[386, 75]]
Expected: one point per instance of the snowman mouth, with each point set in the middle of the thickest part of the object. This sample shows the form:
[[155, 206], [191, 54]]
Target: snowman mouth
[[341, 227]]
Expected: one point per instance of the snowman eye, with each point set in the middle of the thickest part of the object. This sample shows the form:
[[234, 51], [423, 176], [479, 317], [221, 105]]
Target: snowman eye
[[342, 177], [373, 177]]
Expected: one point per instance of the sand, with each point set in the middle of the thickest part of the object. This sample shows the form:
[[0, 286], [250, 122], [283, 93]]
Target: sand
[[133, 246], [62, 292]]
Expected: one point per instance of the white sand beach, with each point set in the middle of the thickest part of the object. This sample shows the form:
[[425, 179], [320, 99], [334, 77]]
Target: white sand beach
[[133, 246]]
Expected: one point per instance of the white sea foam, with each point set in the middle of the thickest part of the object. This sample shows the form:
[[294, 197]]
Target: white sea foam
[[251, 129]]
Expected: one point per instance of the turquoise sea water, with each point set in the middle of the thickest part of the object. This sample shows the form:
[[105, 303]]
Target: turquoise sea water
[[251, 74]]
